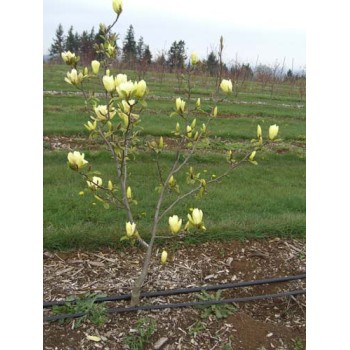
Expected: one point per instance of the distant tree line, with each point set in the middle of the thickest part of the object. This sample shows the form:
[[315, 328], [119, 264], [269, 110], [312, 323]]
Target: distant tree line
[[137, 55]]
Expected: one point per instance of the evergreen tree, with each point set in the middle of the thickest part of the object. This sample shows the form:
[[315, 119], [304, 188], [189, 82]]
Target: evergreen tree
[[140, 49], [129, 46], [58, 45], [147, 55], [212, 64], [177, 55], [72, 41], [86, 42]]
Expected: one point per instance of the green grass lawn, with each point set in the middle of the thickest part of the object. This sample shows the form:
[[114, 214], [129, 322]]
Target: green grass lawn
[[254, 201]]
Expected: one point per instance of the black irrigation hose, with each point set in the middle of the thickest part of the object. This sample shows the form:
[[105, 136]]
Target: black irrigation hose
[[187, 290], [178, 305]]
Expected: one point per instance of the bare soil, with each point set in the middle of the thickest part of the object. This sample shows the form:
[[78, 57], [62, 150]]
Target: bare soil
[[277, 323]]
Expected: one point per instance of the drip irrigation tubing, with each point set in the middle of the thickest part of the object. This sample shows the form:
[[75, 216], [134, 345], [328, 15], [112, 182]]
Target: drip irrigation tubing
[[184, 290], [178, 305]]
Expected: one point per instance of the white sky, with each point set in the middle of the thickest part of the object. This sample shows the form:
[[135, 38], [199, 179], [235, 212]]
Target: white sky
[[269, 31]]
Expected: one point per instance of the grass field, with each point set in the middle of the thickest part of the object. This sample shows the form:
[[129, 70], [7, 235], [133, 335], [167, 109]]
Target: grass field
[[254, 201]]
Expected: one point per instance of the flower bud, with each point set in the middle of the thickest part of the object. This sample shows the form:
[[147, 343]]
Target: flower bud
[[111, 50], [128, 193], [226, 85], [95, 65], [252, 155], [130, 229], [108, 83], [117, 6], [175, 224], [164, 257], [258, 131], [110, 185], [189, 131], [194, 59], [180, 105], [273, 131], [161, 142], [215, 111], [172, 181], [198, 102], [193, 124], [140, 89], [76, 160], [177, 129]]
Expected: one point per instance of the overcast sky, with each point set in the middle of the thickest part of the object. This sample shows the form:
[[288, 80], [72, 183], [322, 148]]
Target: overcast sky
[[266, 31]]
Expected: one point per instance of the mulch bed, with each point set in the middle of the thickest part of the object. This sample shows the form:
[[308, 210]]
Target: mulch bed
[[278, 323]]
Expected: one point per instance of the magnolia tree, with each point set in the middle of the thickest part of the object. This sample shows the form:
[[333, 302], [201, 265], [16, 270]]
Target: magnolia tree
[[115, 119]]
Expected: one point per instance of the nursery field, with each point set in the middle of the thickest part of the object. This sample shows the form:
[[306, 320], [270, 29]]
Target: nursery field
[[255, 221], [254, 201]]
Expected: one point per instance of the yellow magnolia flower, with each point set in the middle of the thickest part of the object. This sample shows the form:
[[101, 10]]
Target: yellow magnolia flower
[[120, 78], [95, 65], [73, 77], [189, 131], [215, 111], [140, 89], [91, 126], [180, 105], [194, 58], [125, 90], [117, 6], [164, 257], [108, 83], [110, 185], [273, 131], [95, 183], [175, 224], [198, 102], [226, 85], [196, 217], [76, 160], [103, 114], [130, 228], [69, 57]]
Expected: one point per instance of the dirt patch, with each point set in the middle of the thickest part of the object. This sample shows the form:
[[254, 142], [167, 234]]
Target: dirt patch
[[265, 324]]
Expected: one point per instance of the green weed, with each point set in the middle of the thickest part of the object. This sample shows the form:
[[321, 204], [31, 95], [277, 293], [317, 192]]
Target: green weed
[[144, 329], [218, 310], [96, 313]]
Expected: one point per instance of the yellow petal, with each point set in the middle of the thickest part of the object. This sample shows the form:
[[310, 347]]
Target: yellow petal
[[93, 338]]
